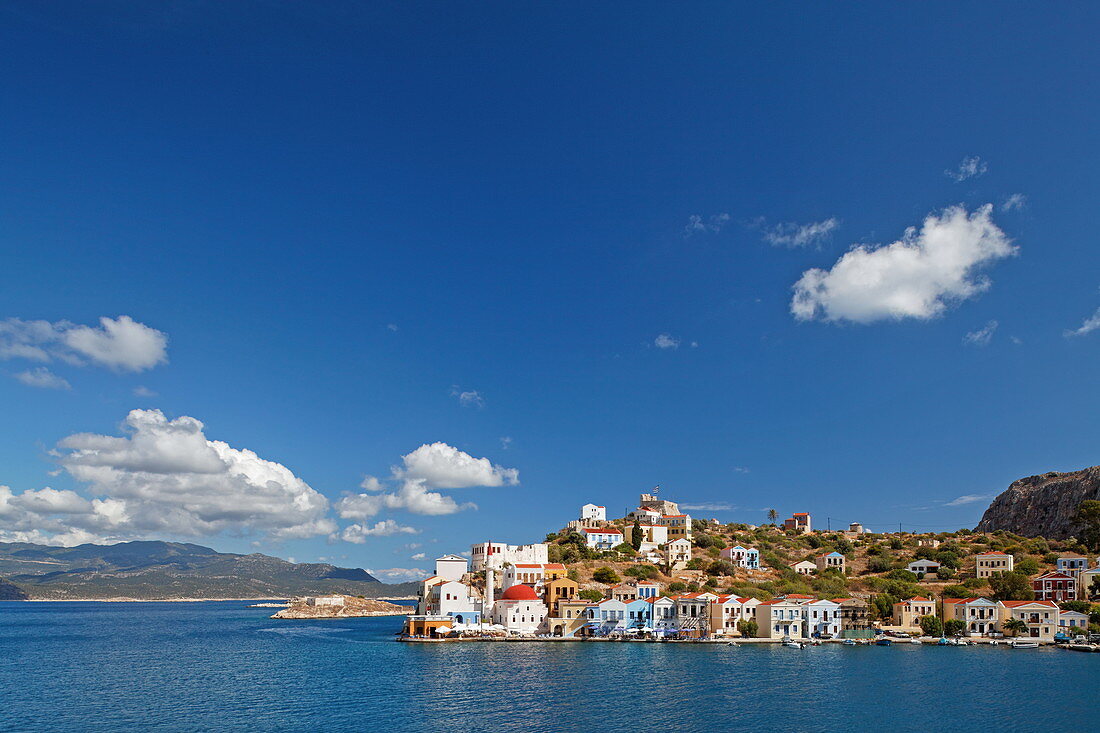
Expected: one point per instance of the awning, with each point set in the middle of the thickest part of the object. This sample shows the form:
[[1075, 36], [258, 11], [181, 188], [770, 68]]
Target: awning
[[444, 629]]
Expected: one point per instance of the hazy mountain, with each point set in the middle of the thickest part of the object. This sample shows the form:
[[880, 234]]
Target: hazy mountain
[[152, 570]]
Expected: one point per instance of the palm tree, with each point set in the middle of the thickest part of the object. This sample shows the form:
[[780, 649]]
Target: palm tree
[[772, 516], [1015, 625]]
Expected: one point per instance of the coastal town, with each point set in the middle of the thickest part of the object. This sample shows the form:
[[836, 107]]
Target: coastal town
[[657, 574]]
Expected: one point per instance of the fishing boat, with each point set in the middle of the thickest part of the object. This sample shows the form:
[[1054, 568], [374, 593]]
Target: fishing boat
[[789, 642], [1022, 644]]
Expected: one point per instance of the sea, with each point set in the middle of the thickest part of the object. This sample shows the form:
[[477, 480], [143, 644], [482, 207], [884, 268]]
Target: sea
[[223, 666]]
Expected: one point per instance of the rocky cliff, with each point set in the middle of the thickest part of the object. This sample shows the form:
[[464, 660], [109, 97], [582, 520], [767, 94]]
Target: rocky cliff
[[1042, 505]]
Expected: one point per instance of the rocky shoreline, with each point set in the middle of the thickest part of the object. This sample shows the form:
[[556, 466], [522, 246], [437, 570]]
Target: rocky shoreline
[[324, 607]]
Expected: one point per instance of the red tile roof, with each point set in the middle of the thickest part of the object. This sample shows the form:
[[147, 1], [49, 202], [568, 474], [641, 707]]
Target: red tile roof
[[1017, 604], [601, 531], [993, 553]]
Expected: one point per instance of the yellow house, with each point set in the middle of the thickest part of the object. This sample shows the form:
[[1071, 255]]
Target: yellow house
[[570, 619], [907, 614], [559, 590]]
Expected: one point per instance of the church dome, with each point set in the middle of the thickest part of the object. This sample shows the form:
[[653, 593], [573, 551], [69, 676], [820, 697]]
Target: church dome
[[520, 593]]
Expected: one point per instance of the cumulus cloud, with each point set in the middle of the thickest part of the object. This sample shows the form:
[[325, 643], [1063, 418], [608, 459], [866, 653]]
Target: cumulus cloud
[[164, 478], [1014, 202], [445, 467], [666, 341], [358, 533], [431, 466], [918, 276], [42, 378], [468, 398], [698, 224], [970, 167], [418, 556], [792, 234], [982, 336], [1091, 324], [121, 344]]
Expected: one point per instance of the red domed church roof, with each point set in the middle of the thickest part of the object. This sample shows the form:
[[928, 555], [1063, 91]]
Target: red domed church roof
[[520, 593]]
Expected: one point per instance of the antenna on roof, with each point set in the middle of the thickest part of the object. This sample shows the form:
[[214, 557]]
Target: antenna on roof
[[656, 490]]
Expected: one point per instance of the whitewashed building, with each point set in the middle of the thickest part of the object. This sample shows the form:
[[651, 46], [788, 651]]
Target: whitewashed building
[[822, 619], [520, 611], [495, 554], [602, 538], [678, 553], [451, 567], [927, 567], [745, 557]]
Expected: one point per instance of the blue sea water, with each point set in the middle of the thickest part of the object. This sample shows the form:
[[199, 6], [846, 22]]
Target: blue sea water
[[224, 666]]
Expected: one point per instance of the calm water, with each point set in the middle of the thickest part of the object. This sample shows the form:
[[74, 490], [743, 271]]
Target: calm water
[[204, 666]]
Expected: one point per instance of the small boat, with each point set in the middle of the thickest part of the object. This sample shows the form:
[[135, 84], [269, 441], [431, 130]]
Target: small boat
[[943, 641], [792, 644], [960, 642], [916, 641], [849, 642], [884, 641], [731, 643], [1021, 644]]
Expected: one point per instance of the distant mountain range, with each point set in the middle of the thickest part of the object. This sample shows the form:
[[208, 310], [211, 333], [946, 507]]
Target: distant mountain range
[[171, 570]]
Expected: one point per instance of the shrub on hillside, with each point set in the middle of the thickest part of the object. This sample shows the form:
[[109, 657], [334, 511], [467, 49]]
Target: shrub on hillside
[[605, 575], [589, 594], [642, 572]]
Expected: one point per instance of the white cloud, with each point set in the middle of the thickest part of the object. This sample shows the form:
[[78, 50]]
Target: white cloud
[[141, 391], [399, 575], [431, 466], [418, 556], [121, 344], [970, 167], [505, 442], [42, 378], [1091, 324], [1014, 202], [967, 499], [792, 234], [918, 276], [982, 336], [666, 341], [391, 326], [358, 533], [445, 467], [165, 478], [468, 398], [370, 483], [711, 225]]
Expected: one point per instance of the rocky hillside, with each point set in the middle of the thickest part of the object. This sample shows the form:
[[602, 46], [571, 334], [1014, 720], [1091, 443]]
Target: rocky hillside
[[1042, 506], [168, 570]]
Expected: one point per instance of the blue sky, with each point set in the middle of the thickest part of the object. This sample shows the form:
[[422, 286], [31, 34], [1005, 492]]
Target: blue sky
[[327, 224]]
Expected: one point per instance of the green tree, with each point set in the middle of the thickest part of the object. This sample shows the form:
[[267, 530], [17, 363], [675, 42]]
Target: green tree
[[956, 591], [931, 626], [772, 516], [882, 606], [605, 575], [1014, 626], [676, 587], [720, 567], [642, 572], [748, 628], [1027, 566], [878, 564], [590, 594], [1079, 606], [1088, 518], [636, 536], [1011, 587], [943, 572], [953, 627]]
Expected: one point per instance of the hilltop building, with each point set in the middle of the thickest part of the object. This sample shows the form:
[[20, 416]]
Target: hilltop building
[[495, 555], [745, 557], [799, 521], [991, 563], [451, 567]]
